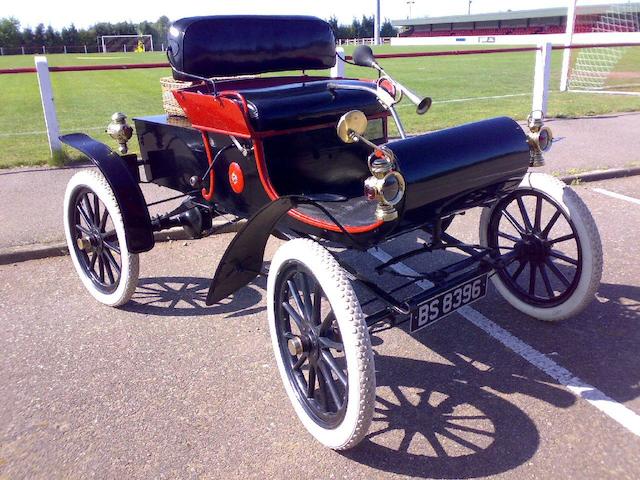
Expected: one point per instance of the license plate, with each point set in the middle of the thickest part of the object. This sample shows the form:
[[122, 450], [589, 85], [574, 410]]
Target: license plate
[[447, 302]]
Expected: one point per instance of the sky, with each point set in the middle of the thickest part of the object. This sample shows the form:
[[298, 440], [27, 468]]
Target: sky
[[84, 13]]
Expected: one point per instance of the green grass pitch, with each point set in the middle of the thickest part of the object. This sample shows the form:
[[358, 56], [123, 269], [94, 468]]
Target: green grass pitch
[[86, 100]]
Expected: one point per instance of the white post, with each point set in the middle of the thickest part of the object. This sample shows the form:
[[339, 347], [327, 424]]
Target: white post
[[104, 47], [151, 38], [44, 50], [1, 51], [22, 50], [162, 47], [566, 57], [338, 70], [85, 49], [65, 49], [48, 106], [541, 79], [124, 47], [376, 25]]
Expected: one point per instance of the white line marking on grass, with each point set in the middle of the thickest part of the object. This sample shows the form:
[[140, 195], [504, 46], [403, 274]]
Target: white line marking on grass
[[615, 410], [42, 132], [99, 58], [470, 99], [617, 195]]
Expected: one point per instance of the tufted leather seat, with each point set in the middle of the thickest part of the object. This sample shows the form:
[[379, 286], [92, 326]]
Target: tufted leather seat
[[304, 104]]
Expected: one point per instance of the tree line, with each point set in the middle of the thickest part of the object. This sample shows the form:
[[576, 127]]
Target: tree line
[[13, 36]]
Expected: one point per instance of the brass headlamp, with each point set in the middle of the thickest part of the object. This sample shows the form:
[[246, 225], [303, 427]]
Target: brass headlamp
[[386, 185], [540, 139]]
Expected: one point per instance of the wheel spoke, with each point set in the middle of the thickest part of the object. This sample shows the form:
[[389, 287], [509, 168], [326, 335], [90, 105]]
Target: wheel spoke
[[90, 213], [112, 260], [557, 272], [317, 304], [300, 361], [519, 270], [331, 344], [513, 221], [508, 236], [551, 223], [111, 247], [93, 261], [103, 220], [329, 360], [293, 289], [331, 385], [96, 209], [294, 315], [311, 383], [107, 267], [538, 217], [525, 215], [561, 256], [101, 268], [545, 279], [86, 231], [564, 238], [306, 299], [532, 279], [84, 215], [326, 323]]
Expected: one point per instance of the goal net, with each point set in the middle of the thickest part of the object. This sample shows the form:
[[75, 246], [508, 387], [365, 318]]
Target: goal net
[[607, 69], [126, 43]]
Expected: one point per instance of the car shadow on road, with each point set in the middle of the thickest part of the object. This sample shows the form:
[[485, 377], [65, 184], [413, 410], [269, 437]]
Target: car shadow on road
[[447, 420], [186, 296]]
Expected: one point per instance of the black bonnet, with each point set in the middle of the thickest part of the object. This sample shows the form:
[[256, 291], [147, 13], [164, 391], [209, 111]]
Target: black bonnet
[[232, 45]]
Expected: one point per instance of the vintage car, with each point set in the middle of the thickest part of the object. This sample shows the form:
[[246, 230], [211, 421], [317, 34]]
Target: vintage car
[[309, 160]]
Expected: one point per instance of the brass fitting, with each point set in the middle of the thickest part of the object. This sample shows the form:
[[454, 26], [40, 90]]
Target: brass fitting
[[120, 131], [386, 186], [540, 139]]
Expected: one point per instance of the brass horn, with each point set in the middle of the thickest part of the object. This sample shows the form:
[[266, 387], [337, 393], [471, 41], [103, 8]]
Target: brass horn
[[363, 56]]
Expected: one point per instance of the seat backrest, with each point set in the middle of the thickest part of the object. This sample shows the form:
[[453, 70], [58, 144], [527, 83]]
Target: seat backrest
[[224, 46]]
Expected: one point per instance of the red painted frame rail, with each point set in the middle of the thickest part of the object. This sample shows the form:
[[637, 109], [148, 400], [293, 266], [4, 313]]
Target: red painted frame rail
[[444, 53]]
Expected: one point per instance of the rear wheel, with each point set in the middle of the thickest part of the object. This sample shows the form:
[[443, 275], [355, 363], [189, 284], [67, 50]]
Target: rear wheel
[[553, 244], [321, 344], [96, 239]]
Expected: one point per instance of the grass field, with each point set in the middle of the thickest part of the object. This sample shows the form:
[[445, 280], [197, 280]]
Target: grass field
[[86, 100]]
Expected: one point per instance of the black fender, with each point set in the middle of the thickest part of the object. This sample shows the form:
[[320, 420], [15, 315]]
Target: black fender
[[242, 261], [133, 207]]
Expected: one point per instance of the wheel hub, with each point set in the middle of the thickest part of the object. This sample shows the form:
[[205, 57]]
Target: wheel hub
[[90, 243], [533, 247], [295, 346]]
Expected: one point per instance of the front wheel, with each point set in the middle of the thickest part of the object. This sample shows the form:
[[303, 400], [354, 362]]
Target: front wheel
[[321, 344], [552, 245], [96, 239]]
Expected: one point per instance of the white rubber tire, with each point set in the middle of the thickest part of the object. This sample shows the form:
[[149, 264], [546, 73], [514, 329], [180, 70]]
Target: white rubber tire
[[355, 335], [573, 206], [95, 181]]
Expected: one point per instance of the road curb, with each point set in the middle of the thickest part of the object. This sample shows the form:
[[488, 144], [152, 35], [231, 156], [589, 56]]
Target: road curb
[[25, 253], [597, 175]]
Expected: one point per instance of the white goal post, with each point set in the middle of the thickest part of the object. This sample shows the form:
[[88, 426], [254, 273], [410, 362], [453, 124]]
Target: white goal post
[[610, 66], [126, 43]]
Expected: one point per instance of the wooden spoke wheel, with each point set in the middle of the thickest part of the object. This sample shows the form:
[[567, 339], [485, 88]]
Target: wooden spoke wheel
[[321, 343], [552, 244], [96, 239]]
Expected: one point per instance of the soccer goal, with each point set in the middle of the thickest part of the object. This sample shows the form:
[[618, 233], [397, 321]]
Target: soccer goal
[[610, 68], [126, 43]]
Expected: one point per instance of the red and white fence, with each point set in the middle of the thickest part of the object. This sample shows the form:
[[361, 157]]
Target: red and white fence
[[540, 85]]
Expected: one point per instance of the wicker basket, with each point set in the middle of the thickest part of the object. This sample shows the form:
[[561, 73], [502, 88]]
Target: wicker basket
[[169, 102]]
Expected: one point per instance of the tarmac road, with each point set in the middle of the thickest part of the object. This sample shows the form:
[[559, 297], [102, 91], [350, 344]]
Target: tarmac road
[[166, 388]]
